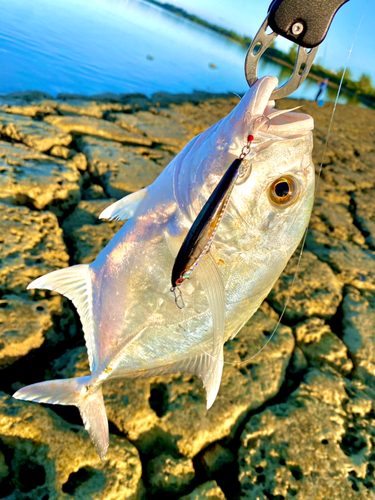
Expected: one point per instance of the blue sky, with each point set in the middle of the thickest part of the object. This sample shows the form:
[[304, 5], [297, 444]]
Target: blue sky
[[243, 15]]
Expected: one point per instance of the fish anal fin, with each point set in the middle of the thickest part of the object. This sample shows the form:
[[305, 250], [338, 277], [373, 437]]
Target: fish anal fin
[[75, 283], [209, 370], [125, 208], [204, 366]]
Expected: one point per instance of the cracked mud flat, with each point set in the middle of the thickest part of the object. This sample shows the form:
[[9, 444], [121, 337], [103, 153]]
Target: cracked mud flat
[[297, 422]]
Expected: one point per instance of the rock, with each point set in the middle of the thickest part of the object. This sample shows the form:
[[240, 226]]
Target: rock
[[79, 161], [321, 346], [85, 125], [329, 193], [336, 221], [23, 327], [134, 174], [89, 240], [122, 169], [316, 291], [158, 128], [73, 363], [36, 134], [87, 212], [88, 108], [351, 264], [29, 176], [61, 151], [365, 215], [109, 97], [169, 412], [168, 474], [28, 96], [105, 155], [94, 192], [209, 490], [83, 108], [346, 179], [51, 457], [207, 112], [128, 121], [31, 245], [87, 233], [165, 160], [135, 101], [4, 469], [358, 333], [166, 98], [215, 459], [299, 448], [298, 362], [33, 110]]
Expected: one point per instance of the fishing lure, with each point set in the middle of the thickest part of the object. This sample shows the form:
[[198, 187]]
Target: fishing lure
[[198, 241]]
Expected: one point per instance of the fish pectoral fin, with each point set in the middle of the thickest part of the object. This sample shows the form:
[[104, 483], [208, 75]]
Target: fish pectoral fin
[[174, 242], [212, 378], [75, 283], [210, 278], [125, 208]]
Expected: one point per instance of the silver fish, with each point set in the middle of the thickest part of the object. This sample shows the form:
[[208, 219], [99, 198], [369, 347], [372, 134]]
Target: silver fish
[[131, 324]]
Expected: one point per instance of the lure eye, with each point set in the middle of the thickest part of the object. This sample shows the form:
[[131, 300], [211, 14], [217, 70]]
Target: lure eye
[[283, 191]]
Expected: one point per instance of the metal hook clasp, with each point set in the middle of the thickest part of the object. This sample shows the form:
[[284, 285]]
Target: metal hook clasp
[[259, 45], [179, 301]]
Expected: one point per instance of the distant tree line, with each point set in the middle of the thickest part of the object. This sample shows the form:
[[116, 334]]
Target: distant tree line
[[362, 88], [243, 40]]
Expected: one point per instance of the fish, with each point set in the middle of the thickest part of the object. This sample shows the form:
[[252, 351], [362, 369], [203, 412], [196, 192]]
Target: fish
[[131, 324]]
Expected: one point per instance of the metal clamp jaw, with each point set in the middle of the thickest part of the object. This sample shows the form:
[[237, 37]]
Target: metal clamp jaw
[[305, 22], [261, 42]]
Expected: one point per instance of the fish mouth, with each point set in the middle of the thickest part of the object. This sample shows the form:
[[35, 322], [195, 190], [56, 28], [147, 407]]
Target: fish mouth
[[260, 95], [281, 123]]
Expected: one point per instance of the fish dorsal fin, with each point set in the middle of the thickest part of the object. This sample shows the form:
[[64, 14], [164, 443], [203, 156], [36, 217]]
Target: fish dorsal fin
[[124, 209], [75, 283]]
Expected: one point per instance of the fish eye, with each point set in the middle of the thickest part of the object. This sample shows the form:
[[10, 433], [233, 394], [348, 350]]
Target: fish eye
[[283, 191]]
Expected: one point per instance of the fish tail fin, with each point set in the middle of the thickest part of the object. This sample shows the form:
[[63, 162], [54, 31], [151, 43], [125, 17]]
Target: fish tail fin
[[73, 391]]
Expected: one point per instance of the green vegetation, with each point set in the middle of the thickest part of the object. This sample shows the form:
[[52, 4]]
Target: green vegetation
[[243, 40], [361, 89]]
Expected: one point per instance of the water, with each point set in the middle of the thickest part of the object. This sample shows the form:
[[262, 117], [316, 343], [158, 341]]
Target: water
[[121, 46]]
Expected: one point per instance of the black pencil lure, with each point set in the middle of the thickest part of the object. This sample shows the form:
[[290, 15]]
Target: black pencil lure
[[199, 239]]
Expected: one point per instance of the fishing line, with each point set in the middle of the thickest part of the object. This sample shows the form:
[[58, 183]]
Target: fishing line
[[239, 97], [305, 233], [316, 190]]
